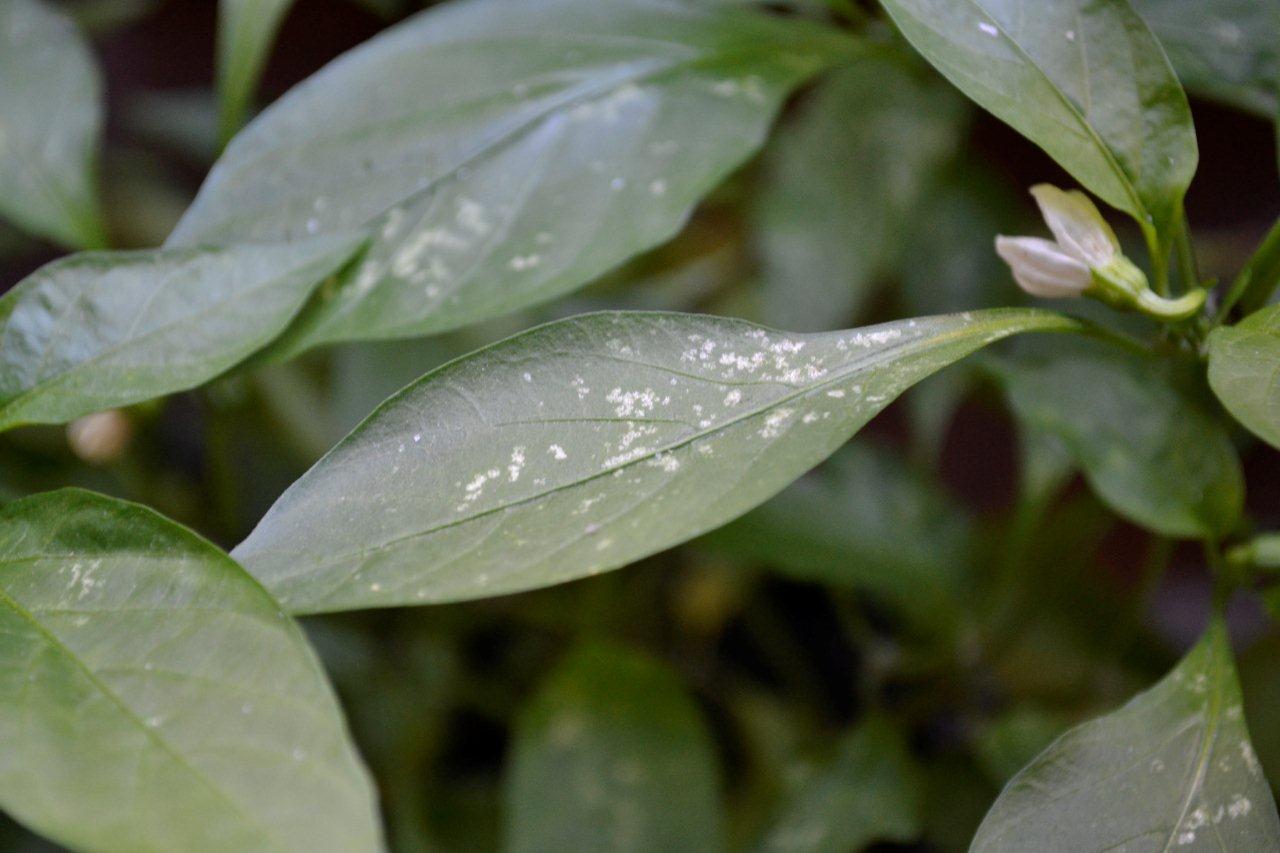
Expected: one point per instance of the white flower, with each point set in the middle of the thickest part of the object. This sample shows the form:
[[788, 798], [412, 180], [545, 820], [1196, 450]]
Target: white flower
[[1064, 266]]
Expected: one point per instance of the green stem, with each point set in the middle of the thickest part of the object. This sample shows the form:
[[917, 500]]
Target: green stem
[[1188, 269], [1254, 285], [1184, 307]]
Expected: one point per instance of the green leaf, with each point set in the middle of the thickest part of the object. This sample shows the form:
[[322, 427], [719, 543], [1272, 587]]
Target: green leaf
[[246, 29], [1173, 769], [154, 697], [1228, 50], [50, 121], [106, 329], [865, 520], [501, 158], [1085, 81], [870, 792], [1244, 371], [612, 755], [1146, 445], [583, 445], [841, 184]]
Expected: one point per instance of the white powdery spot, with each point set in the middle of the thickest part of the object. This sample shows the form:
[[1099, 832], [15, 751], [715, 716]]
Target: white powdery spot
[[557, 453], [629, 403], [517, 463], [471, 216], [580, 385], [475, 488], [1239, 806], [733, 398], [773, 423], [836, 393], [520, 263], [989, 29], [666, 462]]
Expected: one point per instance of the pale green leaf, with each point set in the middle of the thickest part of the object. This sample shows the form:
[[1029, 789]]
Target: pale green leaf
[[583, 445], [1228, 50], [1083, 79], [50, 123], [1244, 371], [1172, 770], [1146, 445], [841, 184], [154, 697], [106, 329], [866, 520], [612, 755], [246, 30], [869, 792], [501, 157]]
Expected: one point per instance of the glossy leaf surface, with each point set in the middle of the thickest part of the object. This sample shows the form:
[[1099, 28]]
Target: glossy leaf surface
[[581, 446], [1244, 371], [500, 157], [154, 697]]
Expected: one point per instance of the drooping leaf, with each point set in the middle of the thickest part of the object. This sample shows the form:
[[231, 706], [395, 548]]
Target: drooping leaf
[[870, 792], [1228, 50], [1244, 371], [841, 185], [500, 157], [1146, 445], [50, 121], [1172, 770], [583, 445], [154, 697], [612, 755], [105, 329], [866, 520], [1083, 79], [246, 30]]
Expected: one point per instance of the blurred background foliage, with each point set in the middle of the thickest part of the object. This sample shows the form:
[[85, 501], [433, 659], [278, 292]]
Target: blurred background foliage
[[874, 652]]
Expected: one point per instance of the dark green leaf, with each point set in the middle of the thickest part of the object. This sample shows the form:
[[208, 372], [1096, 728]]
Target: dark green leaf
[[1244, 371], [1145, 444], [1172, 770], [865, 520], [870, 792], [612, 755], [500, 157], [50, 121], [1083, 79], [102, 329], [1223, 49], [156, 698], [841, 184], [583, 445], [246, 29]]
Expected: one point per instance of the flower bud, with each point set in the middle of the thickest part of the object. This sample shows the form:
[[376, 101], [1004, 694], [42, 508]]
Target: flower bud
[[101, 437], [1041, 268]]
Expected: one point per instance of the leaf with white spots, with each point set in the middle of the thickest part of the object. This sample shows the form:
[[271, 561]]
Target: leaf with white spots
[[105, 329], [50, 123], [1171, 770], [583, 445], [612, 755], [1083, 79], [500, 157], [154, 697]]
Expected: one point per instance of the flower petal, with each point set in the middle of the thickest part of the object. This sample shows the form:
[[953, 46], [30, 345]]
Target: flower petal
[[1076, 224], [1042, 268]]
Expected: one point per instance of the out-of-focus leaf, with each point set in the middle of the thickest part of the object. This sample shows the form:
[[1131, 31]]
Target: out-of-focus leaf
[[865, 520], [1085, 81], [1146, 446], [841, 184], [1012, 740], [246, 30], [1171, 770], [612, 755], [1244, 371], [1256, 285], [869, 792], [106, 329], [1228, 50], [102, 17], [156, 698], [583, 445], [50, 121], [501, 157]]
